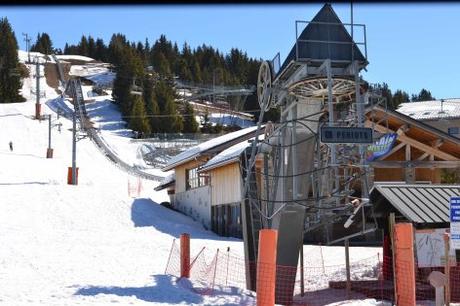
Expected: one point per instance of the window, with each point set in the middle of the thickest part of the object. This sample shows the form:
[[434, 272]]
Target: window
[[455, 131], [193, 179]]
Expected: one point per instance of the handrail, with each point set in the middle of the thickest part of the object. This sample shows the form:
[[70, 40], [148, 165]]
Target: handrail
[[100, 143]]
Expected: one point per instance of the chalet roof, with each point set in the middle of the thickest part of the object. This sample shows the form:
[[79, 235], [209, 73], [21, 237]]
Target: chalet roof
[[418, 203], [225, 157], [423, 133], [316, 31], [431, 110], [166, 182], [228, 156], [218, 143]]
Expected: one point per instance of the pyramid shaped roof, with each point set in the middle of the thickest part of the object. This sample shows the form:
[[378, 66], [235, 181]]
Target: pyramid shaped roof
[[317, 30]]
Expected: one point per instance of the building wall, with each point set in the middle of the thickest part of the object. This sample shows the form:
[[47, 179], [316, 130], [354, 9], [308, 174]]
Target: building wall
[[226, 184], [444, 125], [195, 203], [180, 174], [395, 174]]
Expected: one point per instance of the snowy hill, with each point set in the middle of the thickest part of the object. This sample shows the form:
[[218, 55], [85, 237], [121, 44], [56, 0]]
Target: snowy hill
[[60, 241]]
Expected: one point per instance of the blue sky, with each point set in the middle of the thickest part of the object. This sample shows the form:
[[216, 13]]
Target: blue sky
[[410, 46]]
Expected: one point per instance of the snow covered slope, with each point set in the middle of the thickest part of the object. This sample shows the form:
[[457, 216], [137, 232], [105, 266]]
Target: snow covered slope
[[92, 244]]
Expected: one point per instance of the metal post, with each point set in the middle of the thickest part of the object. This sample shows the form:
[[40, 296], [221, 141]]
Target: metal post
[[391, 224], [74, 149], [447, 268], [49, 131], [293, 148], [228, 261], [37, 91], [49, 151], [27, 40], [347, 265], [302, 276], [352, 40], [185, 255], [331, 123], [360, 112]]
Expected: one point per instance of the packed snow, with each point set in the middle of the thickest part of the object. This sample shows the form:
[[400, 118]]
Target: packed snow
[[96, 243], [75, 57], [99, 74], [24, 57]]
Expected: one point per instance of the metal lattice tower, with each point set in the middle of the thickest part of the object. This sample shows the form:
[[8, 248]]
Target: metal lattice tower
[[318, 85]]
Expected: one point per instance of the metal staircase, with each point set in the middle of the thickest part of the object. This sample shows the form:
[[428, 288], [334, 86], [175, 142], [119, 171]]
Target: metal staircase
[[74, 90]]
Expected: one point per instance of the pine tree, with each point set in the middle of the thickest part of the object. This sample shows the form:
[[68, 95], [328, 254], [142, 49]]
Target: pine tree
[[138, 120], [101, 50], [400, 97], [182, 70], [10, 81], [128, 71], [170, 122], [190, 125], [161, 64], [91, 47], [151, 104], [43, 44], [83, 46], [116, 46], [423, 95], [206, 123]]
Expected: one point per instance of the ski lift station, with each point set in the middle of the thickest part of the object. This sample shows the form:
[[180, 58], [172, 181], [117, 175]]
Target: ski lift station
[[332, 170]]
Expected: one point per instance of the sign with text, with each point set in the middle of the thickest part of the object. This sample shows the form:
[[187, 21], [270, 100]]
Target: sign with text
[[430, 248], [353, 135], [381, 147], [455, 223]]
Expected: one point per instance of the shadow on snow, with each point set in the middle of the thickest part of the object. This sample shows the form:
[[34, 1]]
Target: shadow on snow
[[165, 290], [145, 212]]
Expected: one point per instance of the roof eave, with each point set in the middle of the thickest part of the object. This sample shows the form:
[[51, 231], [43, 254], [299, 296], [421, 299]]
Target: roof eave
[[220, 164]]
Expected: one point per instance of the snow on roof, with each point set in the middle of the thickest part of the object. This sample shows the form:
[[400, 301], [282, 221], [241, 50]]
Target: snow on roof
[[430, 110], [166, 181], [105, 78], [205, 146], [75, 57], [228, 155]]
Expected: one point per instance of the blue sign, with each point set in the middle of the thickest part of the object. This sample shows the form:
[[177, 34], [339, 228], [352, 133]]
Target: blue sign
[[455, 222], [455, 209], [381, 147]]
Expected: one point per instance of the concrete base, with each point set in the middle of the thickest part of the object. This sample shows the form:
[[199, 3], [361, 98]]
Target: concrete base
[[49, 153], [38, 108], [69, 176]]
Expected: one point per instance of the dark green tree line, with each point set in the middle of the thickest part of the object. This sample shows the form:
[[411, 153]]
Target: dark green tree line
[[10, 72]]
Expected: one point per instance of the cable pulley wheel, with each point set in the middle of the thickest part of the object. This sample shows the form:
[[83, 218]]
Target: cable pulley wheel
[[343, 89], [264, 86]]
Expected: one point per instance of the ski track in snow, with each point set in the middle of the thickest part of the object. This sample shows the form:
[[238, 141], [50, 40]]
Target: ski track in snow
[[93, 244]]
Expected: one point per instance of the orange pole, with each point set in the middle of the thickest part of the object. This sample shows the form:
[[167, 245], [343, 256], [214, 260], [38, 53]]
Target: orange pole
[[404, 264], [185, 255], [69, 176], [266, 267]]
